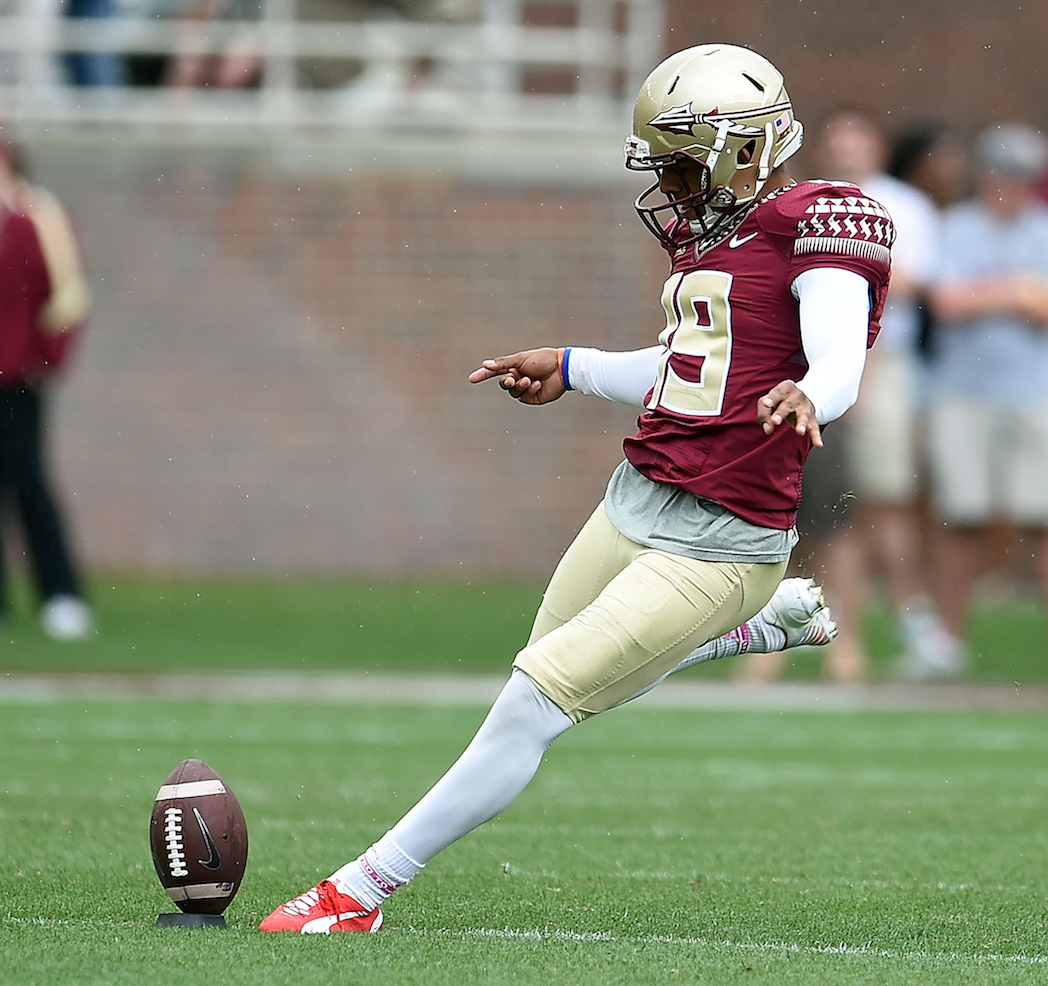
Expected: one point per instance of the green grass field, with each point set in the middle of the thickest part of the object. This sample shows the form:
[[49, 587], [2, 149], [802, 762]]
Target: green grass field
[[322, 625], [655, 846]]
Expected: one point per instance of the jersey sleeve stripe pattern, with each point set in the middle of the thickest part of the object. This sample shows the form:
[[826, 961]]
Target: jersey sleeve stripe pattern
[[853, 225], [854, 248]]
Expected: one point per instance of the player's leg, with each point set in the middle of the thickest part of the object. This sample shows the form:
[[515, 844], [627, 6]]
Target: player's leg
[[795, 616], [524, 722], [596, 555], [649, 616], [494, 769]]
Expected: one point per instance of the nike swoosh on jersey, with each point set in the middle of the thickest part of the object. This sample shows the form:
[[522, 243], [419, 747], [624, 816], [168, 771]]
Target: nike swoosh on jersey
[[322, 926], [735, 242]]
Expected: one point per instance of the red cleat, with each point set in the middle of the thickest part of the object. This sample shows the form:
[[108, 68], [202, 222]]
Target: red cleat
[[322, 910]]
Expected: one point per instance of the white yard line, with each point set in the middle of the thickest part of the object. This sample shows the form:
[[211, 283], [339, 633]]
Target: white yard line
[[547, 934], [558, 934], [463, 690]]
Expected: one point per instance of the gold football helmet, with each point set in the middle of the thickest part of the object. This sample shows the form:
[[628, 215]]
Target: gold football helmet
[[724, 108]]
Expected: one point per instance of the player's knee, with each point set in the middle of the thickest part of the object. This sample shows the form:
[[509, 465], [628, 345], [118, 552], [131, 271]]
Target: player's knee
[[522, 706]]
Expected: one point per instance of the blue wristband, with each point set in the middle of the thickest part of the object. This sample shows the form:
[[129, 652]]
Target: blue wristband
[[564, 375]]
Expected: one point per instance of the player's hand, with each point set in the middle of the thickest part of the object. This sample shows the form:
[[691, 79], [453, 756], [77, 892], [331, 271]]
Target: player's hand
[[787, 404], [532, 376]]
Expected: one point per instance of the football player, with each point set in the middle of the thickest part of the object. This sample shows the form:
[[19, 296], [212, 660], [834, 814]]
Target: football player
[[774, 294]]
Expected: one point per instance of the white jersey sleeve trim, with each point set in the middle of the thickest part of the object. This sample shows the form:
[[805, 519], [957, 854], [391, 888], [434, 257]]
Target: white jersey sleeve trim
[[835, 315], [624, 378]]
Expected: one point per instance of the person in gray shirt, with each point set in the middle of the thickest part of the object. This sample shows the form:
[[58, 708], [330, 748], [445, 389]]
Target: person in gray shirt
[[988, 417]]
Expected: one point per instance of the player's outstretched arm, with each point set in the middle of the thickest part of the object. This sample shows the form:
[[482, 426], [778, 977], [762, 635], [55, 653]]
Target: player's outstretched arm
[[545, 374], [532, 376], [787, 404]]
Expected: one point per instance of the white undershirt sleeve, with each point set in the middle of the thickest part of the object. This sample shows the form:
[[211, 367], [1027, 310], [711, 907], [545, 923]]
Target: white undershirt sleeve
[[624, 378], [835, 313]]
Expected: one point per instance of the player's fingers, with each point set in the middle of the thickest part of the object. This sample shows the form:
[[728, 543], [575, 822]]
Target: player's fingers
[[815, 433], [779, 393], [769, 407], [493, 367], [781, 411], [785, 402], [533, 395], [803, 417], [516, 385], [528, 391], [482, 373]]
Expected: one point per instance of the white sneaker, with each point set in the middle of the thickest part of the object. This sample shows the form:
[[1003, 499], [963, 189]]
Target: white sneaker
[[799, 610], [66, 618], [937, 655]]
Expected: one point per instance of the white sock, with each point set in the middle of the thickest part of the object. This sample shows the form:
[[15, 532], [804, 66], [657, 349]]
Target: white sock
[[756, 636], [373, 876], [492, 771]]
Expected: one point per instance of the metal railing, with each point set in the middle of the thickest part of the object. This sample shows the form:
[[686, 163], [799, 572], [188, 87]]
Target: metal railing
[[409, 75]]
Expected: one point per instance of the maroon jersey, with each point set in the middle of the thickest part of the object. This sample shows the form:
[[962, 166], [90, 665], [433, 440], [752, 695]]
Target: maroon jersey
[[733, 332], [27, 350]]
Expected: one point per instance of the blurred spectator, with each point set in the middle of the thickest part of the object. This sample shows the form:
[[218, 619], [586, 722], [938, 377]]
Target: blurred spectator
[[43, 301], [871, 455], [150, 68], [377, 84], [931, 158], [93, 68], [238, 66], [988, 420]]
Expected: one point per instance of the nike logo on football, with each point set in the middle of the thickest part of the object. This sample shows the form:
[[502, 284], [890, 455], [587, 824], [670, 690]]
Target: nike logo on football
[[736, 242], [214, 857]]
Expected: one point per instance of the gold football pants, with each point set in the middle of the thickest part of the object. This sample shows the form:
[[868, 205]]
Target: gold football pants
[[616, 616]]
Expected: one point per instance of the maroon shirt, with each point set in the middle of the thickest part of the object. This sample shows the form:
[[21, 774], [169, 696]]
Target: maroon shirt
[[27, 351], [733, 333]]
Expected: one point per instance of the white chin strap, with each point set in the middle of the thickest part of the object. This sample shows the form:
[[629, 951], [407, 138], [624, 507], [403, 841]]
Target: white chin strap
[[792, 145], [764, 168], [764, 165], [719, 143]]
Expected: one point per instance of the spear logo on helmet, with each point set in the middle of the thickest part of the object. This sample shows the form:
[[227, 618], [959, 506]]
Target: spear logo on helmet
[[681, 120]]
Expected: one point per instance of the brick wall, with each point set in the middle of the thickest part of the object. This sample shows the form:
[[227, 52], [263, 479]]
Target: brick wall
[[275, 375], [274, 379], [967, 62]]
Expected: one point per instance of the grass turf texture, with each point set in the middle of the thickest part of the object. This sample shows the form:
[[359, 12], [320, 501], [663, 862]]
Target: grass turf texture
[[324, 625], [654, 846]]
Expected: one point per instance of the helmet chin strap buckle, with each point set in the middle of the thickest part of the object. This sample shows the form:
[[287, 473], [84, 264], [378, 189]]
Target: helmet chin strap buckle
[[723, 198]]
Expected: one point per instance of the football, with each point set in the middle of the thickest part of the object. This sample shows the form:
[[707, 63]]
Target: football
[[198, 837]]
